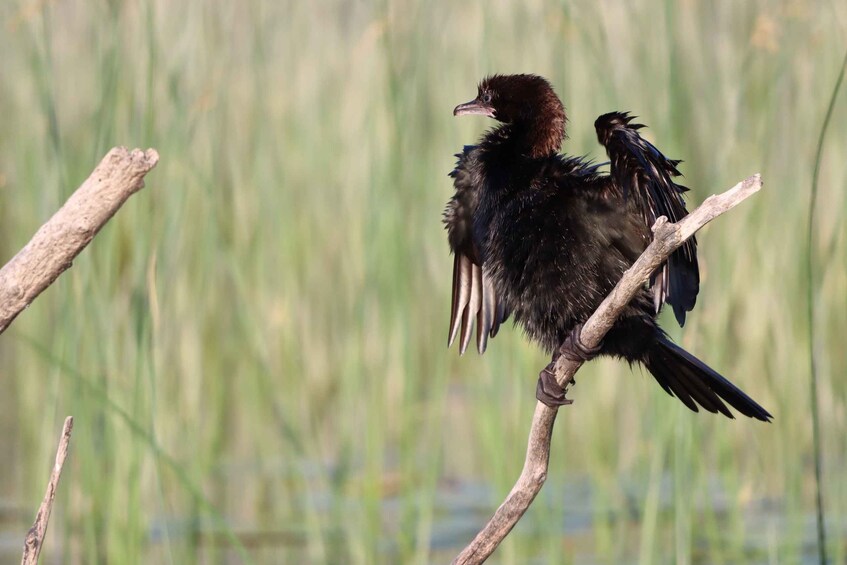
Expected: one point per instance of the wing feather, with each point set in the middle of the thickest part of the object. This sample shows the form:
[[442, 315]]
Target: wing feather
[[461, 293], [642, 173], [474, 297]]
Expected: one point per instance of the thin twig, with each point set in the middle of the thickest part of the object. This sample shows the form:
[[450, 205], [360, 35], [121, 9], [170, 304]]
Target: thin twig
[[35, 536], [667, 237], [57, 243]]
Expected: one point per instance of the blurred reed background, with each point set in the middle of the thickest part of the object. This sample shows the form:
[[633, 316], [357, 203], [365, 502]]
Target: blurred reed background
[[254, 347]]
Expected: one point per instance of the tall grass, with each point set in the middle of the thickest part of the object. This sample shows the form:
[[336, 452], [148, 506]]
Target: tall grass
[[253, 349]]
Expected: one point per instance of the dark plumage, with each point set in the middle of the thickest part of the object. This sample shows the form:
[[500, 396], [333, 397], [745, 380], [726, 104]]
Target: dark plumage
[[545, 238]]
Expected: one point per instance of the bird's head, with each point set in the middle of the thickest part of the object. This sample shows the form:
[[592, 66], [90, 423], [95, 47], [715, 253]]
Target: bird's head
[[528, 103]]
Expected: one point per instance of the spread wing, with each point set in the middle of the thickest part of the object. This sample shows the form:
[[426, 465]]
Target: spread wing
[[640, 172], [474, 296]]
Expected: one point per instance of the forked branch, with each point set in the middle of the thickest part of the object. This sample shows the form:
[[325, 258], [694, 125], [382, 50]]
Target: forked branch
[[667, 238]]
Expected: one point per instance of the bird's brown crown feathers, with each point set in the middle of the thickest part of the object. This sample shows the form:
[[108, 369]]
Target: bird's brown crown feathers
[[530, 105]]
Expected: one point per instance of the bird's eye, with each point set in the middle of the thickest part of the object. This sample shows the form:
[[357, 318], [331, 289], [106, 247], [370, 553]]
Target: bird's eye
[[486, 97]]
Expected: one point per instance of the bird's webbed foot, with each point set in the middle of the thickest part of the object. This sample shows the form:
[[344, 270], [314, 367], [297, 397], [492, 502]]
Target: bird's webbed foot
[[548, 390], [575, 350]]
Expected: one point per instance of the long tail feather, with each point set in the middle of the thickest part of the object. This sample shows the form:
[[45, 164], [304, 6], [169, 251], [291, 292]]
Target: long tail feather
[[695, 383]]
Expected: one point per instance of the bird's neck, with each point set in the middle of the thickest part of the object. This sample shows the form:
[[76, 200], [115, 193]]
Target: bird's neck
[[536, 139]]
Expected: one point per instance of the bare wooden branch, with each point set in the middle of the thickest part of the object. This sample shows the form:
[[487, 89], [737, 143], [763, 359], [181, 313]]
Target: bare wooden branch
[[667, 238], [55, 245], [35, 536]]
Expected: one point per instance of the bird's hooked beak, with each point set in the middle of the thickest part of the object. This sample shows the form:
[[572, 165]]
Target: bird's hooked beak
[[475, 106]]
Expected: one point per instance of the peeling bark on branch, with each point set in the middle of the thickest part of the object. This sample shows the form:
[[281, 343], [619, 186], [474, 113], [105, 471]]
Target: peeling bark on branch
[[667, 238], [56, 244]]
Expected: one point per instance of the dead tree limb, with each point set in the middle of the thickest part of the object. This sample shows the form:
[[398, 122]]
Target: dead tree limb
[[35, 536], [55, 245], [667, 237]]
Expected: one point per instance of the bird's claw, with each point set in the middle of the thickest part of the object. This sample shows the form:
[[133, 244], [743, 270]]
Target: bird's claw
[[575, 350], [548, 390]]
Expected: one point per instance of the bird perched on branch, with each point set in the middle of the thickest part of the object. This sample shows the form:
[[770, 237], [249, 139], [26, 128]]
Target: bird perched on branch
[[544, 238]]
